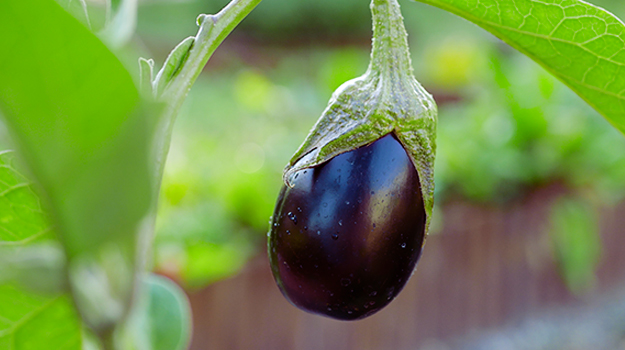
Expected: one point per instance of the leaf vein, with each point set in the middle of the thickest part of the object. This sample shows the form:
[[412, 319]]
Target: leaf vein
[[24, 320]]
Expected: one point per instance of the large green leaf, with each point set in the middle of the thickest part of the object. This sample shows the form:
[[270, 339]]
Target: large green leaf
[[29, 320], [72, 109], [581, 44], [79, 123]]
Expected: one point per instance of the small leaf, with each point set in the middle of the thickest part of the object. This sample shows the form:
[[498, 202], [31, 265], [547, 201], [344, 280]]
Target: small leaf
[[581, 44], [174, 62], [170, 315], [162, 318], [146, 75]]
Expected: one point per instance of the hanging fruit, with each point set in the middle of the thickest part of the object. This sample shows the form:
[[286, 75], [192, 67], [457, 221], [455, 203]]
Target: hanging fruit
[[351, 219]]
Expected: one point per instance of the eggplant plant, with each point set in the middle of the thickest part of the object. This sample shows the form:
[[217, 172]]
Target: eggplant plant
[[89, 135]]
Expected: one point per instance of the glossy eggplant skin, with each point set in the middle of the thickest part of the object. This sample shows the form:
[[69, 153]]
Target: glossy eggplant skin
[[345, 239]]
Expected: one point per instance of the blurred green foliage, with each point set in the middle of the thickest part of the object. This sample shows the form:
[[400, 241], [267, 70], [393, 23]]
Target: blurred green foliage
[[271, 20], [576, 243], [506, 126], [520, 128], [326, 21]]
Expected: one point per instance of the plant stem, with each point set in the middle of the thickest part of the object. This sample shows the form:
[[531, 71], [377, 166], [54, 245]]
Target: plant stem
[[213, 30], [390, 39], [107, 339]]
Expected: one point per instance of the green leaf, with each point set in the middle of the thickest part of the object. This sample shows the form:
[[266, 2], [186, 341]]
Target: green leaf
[[146, 72], [170, 315], [581, 44], [76, 117], [22, 219], [162, 318], [29, 321], [174, 62]]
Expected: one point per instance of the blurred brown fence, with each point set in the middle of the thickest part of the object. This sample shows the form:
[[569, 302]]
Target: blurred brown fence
[[487, 267]]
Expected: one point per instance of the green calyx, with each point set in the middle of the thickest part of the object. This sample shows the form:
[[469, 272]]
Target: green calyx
[[386, 99]]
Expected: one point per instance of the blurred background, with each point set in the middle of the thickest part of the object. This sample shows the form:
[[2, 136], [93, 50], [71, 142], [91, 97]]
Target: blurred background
[[525, 250]]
